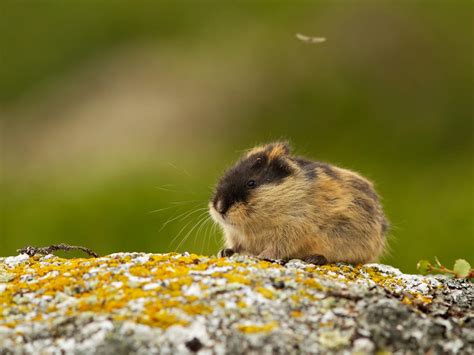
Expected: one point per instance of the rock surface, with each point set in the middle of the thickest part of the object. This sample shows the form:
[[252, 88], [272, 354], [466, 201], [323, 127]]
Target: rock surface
[[181, 303]]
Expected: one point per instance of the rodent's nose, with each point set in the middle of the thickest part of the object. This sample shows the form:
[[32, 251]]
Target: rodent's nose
[[220, 207]]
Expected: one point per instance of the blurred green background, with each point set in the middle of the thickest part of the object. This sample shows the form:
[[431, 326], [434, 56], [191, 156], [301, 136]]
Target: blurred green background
[[112, 110]]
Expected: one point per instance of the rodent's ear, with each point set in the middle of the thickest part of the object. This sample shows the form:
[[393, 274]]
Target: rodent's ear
[[278, 149], [272, 150], [285, 146]]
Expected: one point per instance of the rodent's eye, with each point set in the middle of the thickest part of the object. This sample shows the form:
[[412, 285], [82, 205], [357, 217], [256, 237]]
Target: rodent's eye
[[251, 183]]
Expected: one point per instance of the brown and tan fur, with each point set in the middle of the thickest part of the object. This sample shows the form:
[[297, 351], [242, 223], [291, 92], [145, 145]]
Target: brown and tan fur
[[321, 210]]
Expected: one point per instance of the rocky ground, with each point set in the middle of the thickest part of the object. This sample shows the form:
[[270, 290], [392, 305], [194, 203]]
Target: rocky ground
[[173, 303]]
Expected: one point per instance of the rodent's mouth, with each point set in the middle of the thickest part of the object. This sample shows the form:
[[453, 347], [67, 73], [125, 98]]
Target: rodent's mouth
[[229, 223]]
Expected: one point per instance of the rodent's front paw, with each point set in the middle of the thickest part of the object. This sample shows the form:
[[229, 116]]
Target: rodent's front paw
[[316, 259], [225, 253]]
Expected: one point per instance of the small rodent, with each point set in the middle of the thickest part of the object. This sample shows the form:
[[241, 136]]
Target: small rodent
[[274, 205]]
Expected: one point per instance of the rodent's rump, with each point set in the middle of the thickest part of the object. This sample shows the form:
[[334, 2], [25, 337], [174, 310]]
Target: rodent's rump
[[274, 205]]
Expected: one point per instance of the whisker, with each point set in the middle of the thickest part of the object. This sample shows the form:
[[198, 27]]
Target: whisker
[[185, 214], [176, 203], [189, 233], [214, 232], [162, 209], [177, 235], [208, 234], [181, 231], [183, 202], [218, 240], [179, 169], [165, 189], [199, 231], [211, 235]]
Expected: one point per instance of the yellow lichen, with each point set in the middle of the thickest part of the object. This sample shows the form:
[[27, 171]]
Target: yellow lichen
[[162, 319], [237, 278], [241, 304], [265, 328], [416, 298], [312, 283], [162, 285], [196, 309], [296, 314], [99, 288], [265, 292]]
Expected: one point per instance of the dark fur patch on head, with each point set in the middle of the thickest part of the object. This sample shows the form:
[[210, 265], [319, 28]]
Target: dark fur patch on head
[[364, 187], [234, 185], [308, 166], [328, 170]]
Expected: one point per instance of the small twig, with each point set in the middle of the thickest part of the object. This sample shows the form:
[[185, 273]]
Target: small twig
[[461, 268], [442, 269], [31, 251]]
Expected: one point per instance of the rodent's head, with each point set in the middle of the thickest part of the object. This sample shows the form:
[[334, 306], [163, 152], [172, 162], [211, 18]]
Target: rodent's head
[[263, 186]]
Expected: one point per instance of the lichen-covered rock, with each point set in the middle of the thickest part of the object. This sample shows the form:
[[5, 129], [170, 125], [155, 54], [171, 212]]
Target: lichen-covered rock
[[174, 303]]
